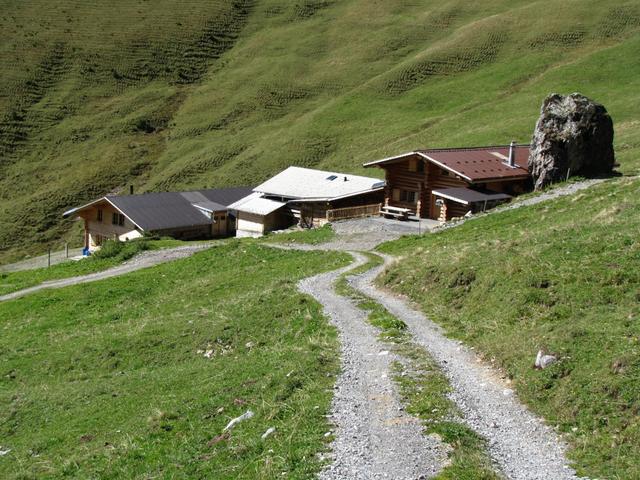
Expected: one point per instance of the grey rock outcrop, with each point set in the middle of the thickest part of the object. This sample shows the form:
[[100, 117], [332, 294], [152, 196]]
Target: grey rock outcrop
[[573, 136]]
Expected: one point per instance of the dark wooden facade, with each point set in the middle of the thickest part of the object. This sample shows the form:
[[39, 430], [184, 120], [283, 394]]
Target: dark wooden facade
[[314, 214], [411, 179]]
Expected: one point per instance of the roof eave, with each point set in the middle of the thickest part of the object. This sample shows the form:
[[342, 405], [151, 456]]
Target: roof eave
[[376, 163], [449, 197], [497, 179], [70, 212]]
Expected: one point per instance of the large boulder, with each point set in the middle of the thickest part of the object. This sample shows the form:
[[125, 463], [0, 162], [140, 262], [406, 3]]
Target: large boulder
[[573, 136]]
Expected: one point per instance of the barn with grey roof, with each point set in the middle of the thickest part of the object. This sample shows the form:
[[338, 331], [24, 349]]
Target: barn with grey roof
[[196, 214]]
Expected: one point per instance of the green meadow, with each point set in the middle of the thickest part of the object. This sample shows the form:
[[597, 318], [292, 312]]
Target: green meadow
[[561, 276], [137, 376]]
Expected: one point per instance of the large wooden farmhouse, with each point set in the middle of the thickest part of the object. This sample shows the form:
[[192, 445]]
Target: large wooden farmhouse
[[184, 215], [307, 197], [450, 182]]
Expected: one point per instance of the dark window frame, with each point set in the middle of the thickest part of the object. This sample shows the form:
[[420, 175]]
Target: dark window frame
[[117, 219], [408, 196]]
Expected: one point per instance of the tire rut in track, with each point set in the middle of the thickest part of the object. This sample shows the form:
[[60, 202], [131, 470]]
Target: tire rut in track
[[374, 438]]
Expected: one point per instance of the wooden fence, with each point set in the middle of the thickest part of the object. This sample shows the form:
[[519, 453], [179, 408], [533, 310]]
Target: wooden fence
[[353, 212]]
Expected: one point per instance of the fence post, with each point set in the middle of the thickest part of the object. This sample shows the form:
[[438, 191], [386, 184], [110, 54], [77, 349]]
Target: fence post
[[66, 249], [49, 258]]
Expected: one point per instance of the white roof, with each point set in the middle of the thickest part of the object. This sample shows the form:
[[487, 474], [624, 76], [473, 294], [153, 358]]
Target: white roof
[[308, 184], [254, 203]]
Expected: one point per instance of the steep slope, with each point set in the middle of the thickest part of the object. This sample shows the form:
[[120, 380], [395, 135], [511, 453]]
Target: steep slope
[[313, 82], [87, 91]]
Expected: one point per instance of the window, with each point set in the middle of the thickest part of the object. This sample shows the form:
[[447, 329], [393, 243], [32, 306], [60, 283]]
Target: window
[[404, 196], [331, 178], [416, 165], [99, 216], [408, 197], [117, 219]]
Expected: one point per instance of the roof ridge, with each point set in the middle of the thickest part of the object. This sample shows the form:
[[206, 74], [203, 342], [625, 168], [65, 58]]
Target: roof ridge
[[464, 149], [177, 192]]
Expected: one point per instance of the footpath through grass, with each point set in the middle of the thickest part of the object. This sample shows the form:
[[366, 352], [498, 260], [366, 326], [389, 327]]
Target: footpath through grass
[[136, 376], [562, 276], [113, 255]]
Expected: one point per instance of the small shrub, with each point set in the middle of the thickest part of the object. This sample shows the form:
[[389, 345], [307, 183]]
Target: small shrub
[[121, 250]]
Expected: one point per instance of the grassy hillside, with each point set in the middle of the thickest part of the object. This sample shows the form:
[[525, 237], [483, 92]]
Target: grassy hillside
[[185, 94], [561, 276], [112, 379]]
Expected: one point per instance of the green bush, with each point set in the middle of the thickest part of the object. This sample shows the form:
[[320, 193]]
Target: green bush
[[121, 250]]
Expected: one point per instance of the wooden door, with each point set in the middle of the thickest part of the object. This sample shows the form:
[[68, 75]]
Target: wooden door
[[219, 227]]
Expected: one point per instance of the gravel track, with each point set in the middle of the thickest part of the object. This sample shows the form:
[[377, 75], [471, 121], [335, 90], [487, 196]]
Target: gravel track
[[41, 261], [140, 261], [375, 437], [557, 192], [519, 442]]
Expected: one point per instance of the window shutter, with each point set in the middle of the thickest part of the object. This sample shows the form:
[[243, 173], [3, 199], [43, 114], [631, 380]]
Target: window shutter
[[396, 195]]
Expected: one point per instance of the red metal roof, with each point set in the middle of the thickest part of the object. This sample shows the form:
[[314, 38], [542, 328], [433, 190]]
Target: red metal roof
[[481, 163], [475, 164]]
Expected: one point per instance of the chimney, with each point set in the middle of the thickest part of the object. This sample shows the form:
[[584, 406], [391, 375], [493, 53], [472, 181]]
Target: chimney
[[345, 179], [512, 154], [130, 189]]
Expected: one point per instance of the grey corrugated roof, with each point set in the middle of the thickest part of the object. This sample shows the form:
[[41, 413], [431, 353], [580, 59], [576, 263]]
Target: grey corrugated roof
[[256, 204], [468, 196], [160, 211]]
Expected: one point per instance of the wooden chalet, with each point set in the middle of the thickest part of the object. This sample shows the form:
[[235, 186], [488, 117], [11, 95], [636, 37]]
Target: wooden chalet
[[199, 214], [445, 183]]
